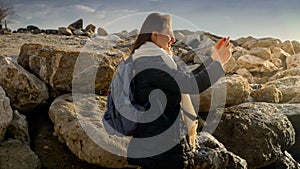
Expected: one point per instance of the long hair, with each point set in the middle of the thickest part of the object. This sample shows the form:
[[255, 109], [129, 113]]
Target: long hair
[[154, 22]]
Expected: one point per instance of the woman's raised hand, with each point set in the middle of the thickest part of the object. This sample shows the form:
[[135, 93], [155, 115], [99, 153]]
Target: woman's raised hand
[[222, 50]]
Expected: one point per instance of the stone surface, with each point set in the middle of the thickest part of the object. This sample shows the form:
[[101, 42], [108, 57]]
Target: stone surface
[[262, 42], [268, 93], [239, 51], [292, 111], [90, 28], [102, 32], [231, 66], [296, 46], [6, 113], [24, 89], [256, 64], [286, 73], [263, 53], [78, 124], [285, 161], [65, 31], [287, 46], [293, 61], [16, 155], [289, 87], [18, 128], [76, 25], [210, 153], [242, 40], [257, 132], [57, 67], [246, 74], [227, 91]]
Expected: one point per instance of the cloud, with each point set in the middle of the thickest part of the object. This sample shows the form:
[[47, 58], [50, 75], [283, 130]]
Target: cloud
[[83, 8]]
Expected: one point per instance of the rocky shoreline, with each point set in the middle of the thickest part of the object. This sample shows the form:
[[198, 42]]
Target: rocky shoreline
[[44, 122]]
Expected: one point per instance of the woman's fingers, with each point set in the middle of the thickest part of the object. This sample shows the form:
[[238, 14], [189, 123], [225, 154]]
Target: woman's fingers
[[220, 43]]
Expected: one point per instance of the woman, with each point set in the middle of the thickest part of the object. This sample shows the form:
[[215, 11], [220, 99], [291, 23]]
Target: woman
[[170, 123]]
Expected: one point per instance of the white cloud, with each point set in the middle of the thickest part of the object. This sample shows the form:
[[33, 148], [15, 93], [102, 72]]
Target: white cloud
[[83, 8]]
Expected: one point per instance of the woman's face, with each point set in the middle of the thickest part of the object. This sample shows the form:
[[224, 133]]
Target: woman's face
[[165, 38]]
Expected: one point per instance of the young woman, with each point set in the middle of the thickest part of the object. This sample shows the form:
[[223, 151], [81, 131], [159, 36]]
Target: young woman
[[165, 138]]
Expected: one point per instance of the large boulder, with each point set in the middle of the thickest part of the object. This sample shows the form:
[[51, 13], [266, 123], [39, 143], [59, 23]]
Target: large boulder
[[296, 46], [16, 155], [289, 87], [292, 111], [6, 113], [57, 67], [102, 32], [263, 43], [76, 25], [78, 123], [286, 73], [227, 91], [65, 31], [285, 161], [293, 61], [257, 132], [24, 89], [256, 64], [288, 47], [210, 153], [263, 53], [268, 93]]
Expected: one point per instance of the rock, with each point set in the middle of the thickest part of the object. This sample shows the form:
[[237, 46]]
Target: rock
[[18, 128], [90, 28], [57, 67], [231, 66], [278, 53], [285, 161], [6, 113], [286, 73], [24, 89], [51, 31], [210, 153], [22, 30], [292, 111], [263, 43], [65, 31], [179, 36], [78, 123], [239, 51], [278, 62], [287, 46], [289, 87], [16, 155], [296, 46], [102, 32], [78, 32], [293, 61], [243, 40], [246, 74], [76, 25], [134, 33], [257, 132], [263, 53], [269, 94], [227, 91], [256, 64], [32, 28]]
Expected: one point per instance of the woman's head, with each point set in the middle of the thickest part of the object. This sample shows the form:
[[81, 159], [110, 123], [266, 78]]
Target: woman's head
[[156, 28]]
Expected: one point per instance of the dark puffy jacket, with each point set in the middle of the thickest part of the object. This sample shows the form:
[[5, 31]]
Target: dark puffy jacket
[[162, 77]]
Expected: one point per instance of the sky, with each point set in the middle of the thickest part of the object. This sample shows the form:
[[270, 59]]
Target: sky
[[234, 18]]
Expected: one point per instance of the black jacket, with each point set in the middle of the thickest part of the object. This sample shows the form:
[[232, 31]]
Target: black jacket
[[154, 73]]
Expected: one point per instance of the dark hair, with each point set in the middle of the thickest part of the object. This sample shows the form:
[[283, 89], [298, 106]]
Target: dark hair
[[153, 22]]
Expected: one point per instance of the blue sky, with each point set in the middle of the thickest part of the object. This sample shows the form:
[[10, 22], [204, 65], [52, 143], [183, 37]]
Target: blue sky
[[235, 18]]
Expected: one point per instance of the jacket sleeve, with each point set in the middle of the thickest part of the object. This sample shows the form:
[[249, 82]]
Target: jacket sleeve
[[163, 77], [207, 62]]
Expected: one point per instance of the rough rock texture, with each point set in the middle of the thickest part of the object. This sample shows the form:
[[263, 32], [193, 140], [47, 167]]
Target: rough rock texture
[[286, 73], [257, 132], [6, 113], [285, 161], [78, 124], [296, 46], [16, 155], [246, 74], [263, 53], [56, 67], [226, 91], [24, 89], [263, 42], [102, 32], [293, 61], [231, 66], [289, 87], [288, 47], [256, 64], [18, 128], [268, 93], [292, 111], [210, 153]]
